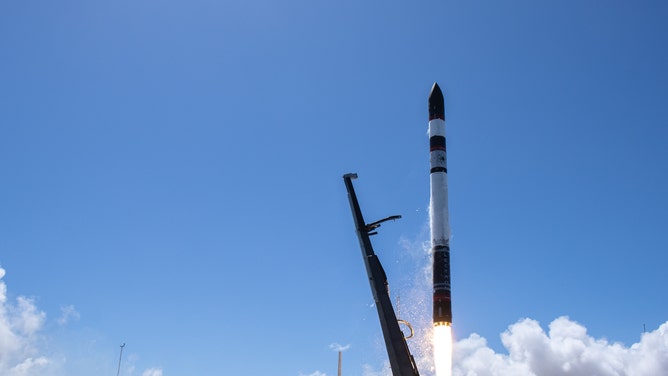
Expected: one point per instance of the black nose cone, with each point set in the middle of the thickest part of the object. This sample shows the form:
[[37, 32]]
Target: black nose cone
[[436, 103]]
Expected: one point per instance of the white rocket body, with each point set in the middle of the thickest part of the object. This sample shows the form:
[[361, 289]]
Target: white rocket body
[[438, 202]]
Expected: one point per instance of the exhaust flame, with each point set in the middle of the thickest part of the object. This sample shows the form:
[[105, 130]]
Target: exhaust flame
[[443, 350]]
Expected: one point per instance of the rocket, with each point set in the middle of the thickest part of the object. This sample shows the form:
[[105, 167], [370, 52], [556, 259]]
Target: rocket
[[438, 208]]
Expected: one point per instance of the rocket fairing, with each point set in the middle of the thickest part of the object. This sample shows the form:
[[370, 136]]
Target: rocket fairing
[[438, 208]]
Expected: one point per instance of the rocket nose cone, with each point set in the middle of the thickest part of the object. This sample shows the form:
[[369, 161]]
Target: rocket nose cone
[[435, 90], [436, 103]]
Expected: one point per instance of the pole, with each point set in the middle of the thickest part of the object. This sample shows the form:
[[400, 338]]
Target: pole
[[339, 363], [119, 360]]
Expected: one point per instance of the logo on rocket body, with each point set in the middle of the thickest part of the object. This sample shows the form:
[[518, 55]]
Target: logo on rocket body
[[439, 221]]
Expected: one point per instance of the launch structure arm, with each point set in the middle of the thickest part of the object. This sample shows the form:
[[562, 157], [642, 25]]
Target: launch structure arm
[[374, 225], [400, 357]]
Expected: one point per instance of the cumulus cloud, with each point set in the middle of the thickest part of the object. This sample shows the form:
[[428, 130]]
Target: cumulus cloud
[[565, 349], [19, 323], [68, 313]]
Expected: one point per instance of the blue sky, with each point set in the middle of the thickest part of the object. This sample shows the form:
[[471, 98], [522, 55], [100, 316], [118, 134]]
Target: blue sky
[[171, 172]]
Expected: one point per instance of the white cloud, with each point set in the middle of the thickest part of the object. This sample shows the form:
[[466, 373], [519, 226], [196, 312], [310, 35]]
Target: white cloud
[[566, 349], [336, 347], [316, 373], [24, 316], [152, 372], [19, 323], [68, 313], [29, 366]]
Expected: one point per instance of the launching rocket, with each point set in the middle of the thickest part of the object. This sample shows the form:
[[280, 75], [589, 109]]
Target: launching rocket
[[438, 208]]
